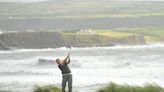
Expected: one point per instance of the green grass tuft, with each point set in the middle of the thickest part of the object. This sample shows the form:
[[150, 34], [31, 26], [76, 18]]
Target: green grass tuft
[[112, 87], [47, 89]]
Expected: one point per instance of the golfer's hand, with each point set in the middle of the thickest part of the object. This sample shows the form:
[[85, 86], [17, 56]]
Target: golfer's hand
[[68, 56]]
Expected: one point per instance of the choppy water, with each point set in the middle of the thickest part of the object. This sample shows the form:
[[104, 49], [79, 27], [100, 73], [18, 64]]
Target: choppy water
[[93, 67]]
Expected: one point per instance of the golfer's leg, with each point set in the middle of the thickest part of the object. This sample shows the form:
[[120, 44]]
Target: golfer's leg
[[64, 80], [70, 83]]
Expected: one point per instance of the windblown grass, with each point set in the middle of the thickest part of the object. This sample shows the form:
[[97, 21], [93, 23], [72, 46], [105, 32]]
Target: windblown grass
[[151, 34], [85, 38], [112, 87], [47, 89], [114, 34]]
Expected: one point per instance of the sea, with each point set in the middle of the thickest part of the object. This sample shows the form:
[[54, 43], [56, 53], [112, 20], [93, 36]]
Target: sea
[[22, 70]]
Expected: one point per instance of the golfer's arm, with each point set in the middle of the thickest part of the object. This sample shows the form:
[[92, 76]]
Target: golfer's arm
[[66, 59]]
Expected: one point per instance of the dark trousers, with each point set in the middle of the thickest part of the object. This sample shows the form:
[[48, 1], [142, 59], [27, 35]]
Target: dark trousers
[[67, 78]]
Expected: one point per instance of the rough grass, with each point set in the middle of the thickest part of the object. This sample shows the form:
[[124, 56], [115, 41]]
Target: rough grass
[[114, 34], [100, 36], [112, 87], [151, 34], [47, 89], [94, 16], [92, 9], [103, 33], [85, 38]]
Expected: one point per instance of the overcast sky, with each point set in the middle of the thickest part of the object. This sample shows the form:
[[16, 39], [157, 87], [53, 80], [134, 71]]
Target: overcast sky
[[21, 0], [45, 0]]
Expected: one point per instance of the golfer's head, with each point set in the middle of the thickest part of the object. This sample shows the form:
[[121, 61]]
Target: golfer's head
[[58, 61]]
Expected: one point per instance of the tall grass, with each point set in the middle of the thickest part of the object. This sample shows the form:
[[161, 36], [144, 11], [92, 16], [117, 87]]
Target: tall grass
[[47, 89], [151, 34], [114, 34], [112, 87]]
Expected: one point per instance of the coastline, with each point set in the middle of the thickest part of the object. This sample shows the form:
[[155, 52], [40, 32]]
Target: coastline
[[35, 40]]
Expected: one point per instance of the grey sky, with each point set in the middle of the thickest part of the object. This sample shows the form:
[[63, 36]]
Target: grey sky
[[46, 0], [21, 0]]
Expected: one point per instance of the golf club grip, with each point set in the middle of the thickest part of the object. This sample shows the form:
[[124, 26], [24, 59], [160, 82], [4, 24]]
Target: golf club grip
[[70, 51]]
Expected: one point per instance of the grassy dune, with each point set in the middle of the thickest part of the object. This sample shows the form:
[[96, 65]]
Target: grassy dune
[[85, 38], [152, 35], [112, 87], [47, 89], [127, 88], [114, 34], [100, 36]]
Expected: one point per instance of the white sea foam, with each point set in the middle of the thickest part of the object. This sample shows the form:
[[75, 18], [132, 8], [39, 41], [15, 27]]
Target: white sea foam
[[85, 48], [134, 65]]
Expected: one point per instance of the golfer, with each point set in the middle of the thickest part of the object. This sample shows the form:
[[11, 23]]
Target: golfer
[[66, 72]]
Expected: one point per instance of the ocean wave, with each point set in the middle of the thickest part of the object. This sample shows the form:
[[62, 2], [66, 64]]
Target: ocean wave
[[85, 48], [48, 62], [42, 61], [33, 50], [8, 73]]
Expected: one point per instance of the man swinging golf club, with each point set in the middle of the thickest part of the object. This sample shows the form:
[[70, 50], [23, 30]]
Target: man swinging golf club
[[66, 72]]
